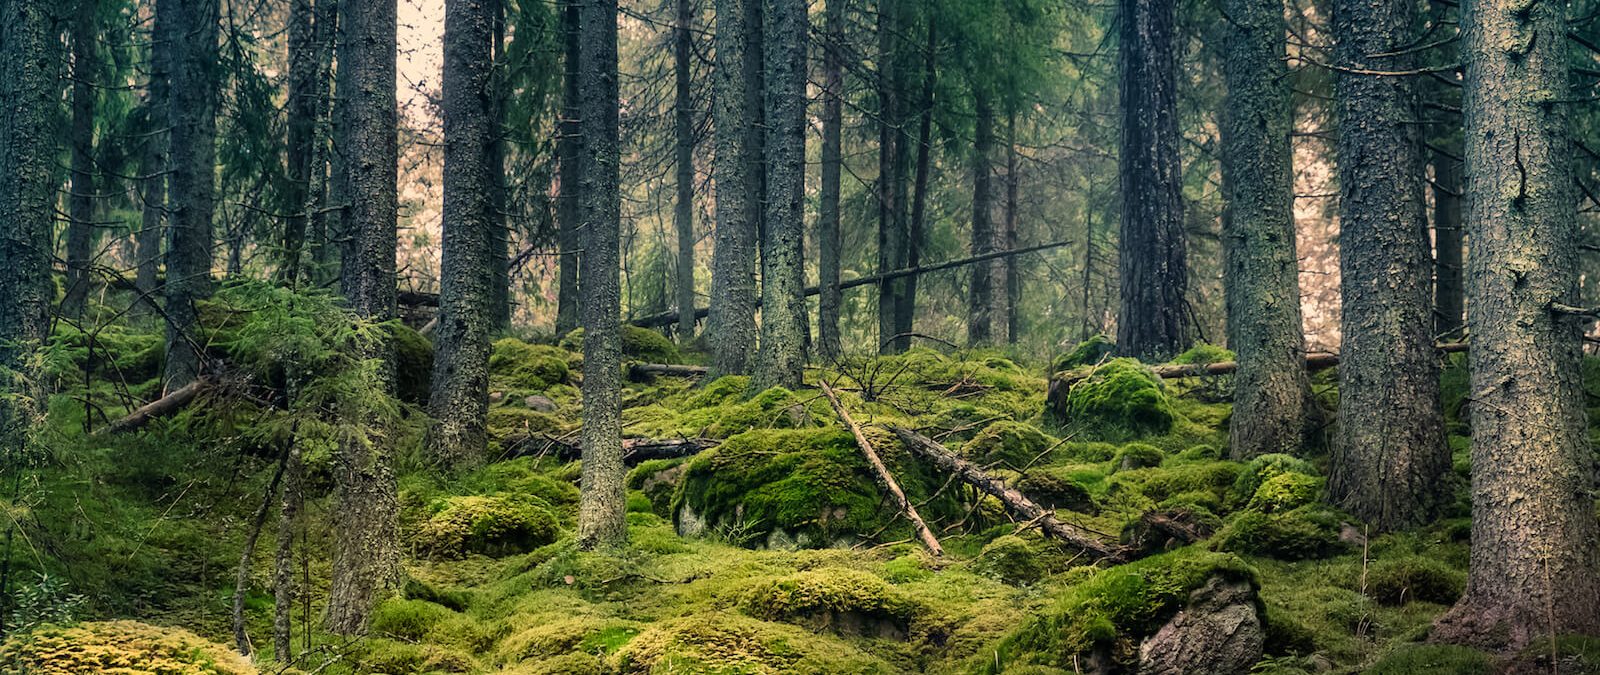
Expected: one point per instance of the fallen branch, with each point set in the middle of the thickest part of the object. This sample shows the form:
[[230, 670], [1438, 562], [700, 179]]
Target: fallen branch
[[884, 477], [644, 371], [1014, 501], [634, 450], [161, 407]]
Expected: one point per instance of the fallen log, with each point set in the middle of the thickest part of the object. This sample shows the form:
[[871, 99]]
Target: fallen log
[[884, 477], [669, 318], [634, 450], [161, 407], [1017, 503], [644, 371]]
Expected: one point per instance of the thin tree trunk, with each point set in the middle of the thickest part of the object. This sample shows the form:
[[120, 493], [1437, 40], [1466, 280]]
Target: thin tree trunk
[[731, 325], [301, 134], [499, 223], [602, 505], [1152, 261], [80, 189], [153, 162], [1261, 267], [569, 151], [884, 476], [1449, 306], [191, 191], [459, 401], [1533, 572], [783, 308], [366, 553], [980, 293], [1010, 280], [1390, 464], [829, 344], [241, 579], [321, 196], [906, 308], [891, 238], [683, 130], [283, 584]]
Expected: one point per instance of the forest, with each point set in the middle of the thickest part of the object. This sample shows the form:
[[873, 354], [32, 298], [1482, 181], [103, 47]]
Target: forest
[[603, 337]]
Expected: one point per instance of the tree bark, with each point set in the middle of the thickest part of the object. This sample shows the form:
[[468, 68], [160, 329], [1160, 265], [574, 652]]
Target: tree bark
[[905, 309], [322, 196], [1010, 280], [1533, 571], [1449, 306], [161, 407], [283, 585], [153, 162], [783, 308], [891, 231], [191, 193], [302, 105], [1153, 263], [459, 400], [731, 325], [1390, 464], [602, 507], [80, 189], [569, 151], [499, 224], [1261, 266], [829, 344], [683, 132], [366, 562], [980, 293]]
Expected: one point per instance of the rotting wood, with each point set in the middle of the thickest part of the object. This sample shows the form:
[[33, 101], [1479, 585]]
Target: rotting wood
[[884, 477], [161, 407]]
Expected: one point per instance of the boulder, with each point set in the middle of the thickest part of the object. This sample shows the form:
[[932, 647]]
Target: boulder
[[1219, 632], [539, 404]]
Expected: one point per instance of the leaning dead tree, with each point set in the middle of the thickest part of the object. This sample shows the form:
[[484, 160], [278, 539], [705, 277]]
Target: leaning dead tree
[[161, 407], [882, 472]]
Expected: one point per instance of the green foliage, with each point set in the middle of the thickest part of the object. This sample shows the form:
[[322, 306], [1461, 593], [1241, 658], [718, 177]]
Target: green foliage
[[1007, 441], [1121, 394], [1396, 581], [638, 344], [1307, 532], [1264, 468], [1285, 492], [1138, 456], [1432, 659], [490, 525], [122, 647], [526, 367], [1203, 353], [1087, 353]]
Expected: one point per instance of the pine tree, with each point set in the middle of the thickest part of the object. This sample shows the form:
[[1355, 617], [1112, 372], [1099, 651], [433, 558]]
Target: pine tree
[[569, 152], [731, 325], [783, 307], [980, 293], [683, 136], [829, 344], [301, 115], [190, 189], [84, 35]]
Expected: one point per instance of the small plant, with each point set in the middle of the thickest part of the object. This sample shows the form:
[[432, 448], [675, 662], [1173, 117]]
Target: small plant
[[46, 601], [743, 533]]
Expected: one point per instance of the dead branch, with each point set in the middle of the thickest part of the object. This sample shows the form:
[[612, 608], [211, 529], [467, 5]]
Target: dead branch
[[884, 477]]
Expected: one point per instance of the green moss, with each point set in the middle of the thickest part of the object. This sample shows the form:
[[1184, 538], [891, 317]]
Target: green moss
[[658, 480], [407, 619], [490, 525], [1020, 561], [1285, 492], [1286, 634], [1090, 451], [1200, 453], [1263, 468], [1306, 532], [380, 655], [1162, 483], [1396, 581], [519, 365], [638, 344], [720, 642], [416, 589], [717, 392], [775, 408], [1433, 659], [831, 597], [1202, 353], [1054, 488], [413, 363], [1121, 394], [1138, 456], [1086, 353], [122, 647], [1117, 604], [507, 423], [1007, 441], [587, 634]]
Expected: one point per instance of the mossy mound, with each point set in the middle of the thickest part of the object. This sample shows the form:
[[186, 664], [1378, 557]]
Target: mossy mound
[[519, 365], [639, 344], [1285, 492], [1396, 581], [1138, 456], [657, 480], [1086, 353], [721, 642], [1121, 394], [1009, 442], [1433, 660], [1202, 353], [489, 525], [1307, 532], [1020, 561], [1159, 484], [413, 363], [581, 634], [842, 600], [1113, 609], [1264, 468], [121, 647], [407, 619], [1055, 488], [383, 655]]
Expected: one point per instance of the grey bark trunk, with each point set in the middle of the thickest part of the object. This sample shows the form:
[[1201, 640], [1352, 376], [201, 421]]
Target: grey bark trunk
[[366, 554], [980, 293], [321, 197], [1152, 323], [829, 344], [1261, 268], [731, 326], [891, 228], [683, 130], [602, 506], [1534, 542], [1449, 306], [905, 310], [500, 234], [1010, 280], [284, 589], [569, 150], [191, 191], [301, 134], [80, 191], [153, 164], [783, 307], [1390, 463], [459, 400]]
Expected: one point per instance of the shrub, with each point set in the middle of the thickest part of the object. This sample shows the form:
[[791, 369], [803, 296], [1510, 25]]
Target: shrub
[[1285, 492], [1396, 581], [123, 647], [520, 365], [1014, 443], [1121, 394], [1304, 533], [490, 525], [1263, 468], [1138, 456]]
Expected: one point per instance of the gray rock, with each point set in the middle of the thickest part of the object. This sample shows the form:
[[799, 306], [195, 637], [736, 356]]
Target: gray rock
[[690, 524], [1218, 633], [540, 404]]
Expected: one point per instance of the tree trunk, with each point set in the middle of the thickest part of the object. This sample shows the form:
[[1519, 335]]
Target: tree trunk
[[499, 224], [829, 344], [241, 579], [891, 234], [1152, 261], [301, 134], [683, 130], [1449, 307], [1010, 280], [322, 195], [366, 562], [980, 293], [190, 181], [905, 309], [459, 401], [783, 307], [80, 190], [731, 326], [283, 585], [153, 162], [1534, 542], [30, 54], [602, 506], [1261, 267], [1390, 463], [569, 151]]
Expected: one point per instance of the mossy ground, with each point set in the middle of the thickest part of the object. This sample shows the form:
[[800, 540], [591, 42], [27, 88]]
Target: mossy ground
[[800, 564]]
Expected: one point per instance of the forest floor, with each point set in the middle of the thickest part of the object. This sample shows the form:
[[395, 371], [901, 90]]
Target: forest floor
[[774, 551]]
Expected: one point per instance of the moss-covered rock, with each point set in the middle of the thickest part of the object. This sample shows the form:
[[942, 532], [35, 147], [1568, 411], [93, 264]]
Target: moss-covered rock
[[527, 367], [489, 525], [1285, 492], [837, 599], [638, 344], [1307, 532], [121, 647], [1396, 581], [1008, 442], [1053, 488], [1202, 353], [1138, 456], [1121, 394], [413, 363], [657, 480], [720, 642], [1086, 353], [1020, 561], [1264, 468]]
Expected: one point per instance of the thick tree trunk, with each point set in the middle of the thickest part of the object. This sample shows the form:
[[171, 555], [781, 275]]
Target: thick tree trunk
[[190, 182], [1390, 463], [459, 401], [905, 310], [683, 131], [783, 308], [366, 561], [1261, 268], [1010, 280], [731, 326], [980, 293], [30, 55], [1449, 306], [569, 152], [80, 189], [829, 344], [1153, 323], [1533, 573], [891, 231], [602, 506]]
